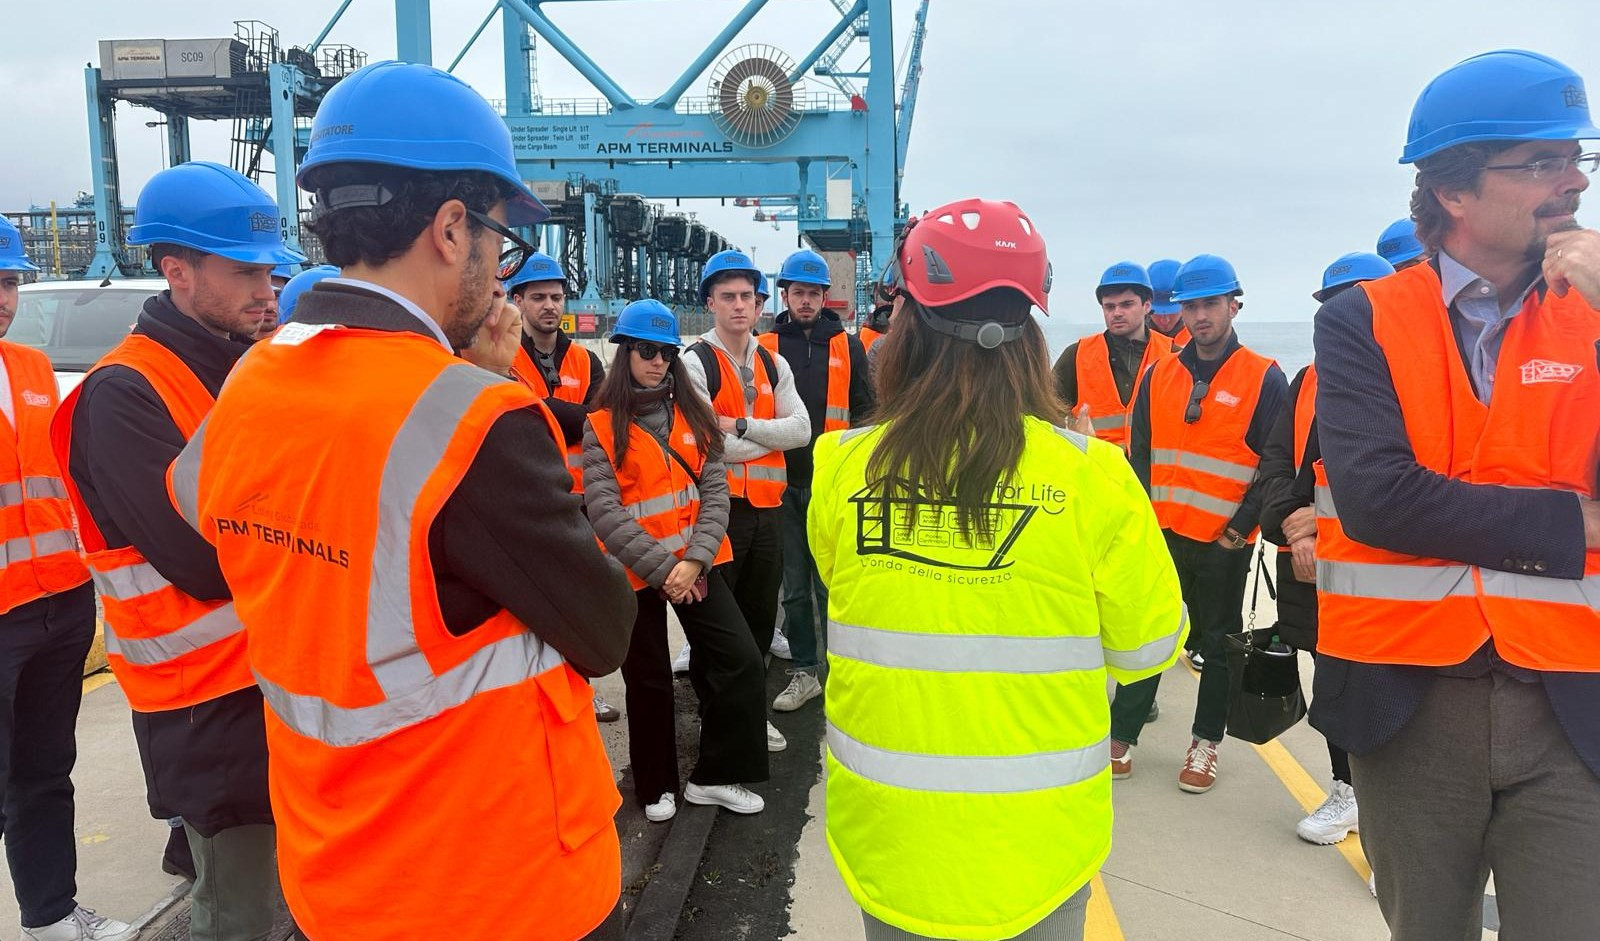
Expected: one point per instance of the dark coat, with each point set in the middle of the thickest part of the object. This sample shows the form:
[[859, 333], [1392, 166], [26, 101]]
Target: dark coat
[[1284, 489]]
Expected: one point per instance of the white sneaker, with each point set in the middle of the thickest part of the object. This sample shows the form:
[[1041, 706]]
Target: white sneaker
[[780, 646], [680, 663], [1372, 883], [82, 925], [740, 800], [775, 739], [604, 711], [1334, 820], [803, 687], [662, 810]]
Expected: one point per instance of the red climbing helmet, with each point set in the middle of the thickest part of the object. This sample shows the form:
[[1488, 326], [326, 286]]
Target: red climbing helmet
[[964, 248]]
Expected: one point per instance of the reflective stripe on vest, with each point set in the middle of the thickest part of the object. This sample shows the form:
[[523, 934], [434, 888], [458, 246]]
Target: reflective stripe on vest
[[413, 693], [836, 408], [168, 650], [968, 653], [653, 488], [761, 481], [1000, 774], [1538, 432], [1201, 471], [33, 488], [28, 548], [1097, 384]]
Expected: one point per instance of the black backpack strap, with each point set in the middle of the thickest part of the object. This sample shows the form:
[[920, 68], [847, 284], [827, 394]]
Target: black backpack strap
[[767, 361], [713, 370]]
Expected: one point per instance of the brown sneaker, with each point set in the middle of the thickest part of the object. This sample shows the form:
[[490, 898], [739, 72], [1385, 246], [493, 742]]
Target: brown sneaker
[[1121, 761], [1199, 768]]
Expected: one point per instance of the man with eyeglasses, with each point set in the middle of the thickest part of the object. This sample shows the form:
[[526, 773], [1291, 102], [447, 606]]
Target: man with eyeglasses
[[423, 593], [1459, 637], [761, 416], [1200, 423]]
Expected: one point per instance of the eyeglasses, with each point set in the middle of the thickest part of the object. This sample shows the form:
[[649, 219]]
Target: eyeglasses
[[1196, 396], [1551, 166], [513, 258], [648, 351]]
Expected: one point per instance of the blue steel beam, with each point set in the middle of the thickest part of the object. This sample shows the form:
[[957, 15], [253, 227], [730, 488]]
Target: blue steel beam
[[845, 22], [603, 83], [820, 135], [908, 91], [329, 28], [103, 175], [669, 98], [879, 189], [680, 179], [475, 34], [518, 81], [288, 85], [413, 31]]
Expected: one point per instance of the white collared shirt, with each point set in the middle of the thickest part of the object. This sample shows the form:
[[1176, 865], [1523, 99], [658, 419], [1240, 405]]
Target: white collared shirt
[[403, 301]]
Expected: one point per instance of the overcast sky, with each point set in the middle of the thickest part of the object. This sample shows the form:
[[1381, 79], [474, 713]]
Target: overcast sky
[[1264, 132]]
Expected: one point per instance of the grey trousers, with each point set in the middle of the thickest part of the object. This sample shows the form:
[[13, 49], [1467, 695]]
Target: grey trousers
[[1064, 924], [1482, 779], [236, 889]]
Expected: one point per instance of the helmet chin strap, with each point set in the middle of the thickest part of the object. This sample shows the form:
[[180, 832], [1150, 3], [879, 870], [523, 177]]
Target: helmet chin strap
[[988, 335]]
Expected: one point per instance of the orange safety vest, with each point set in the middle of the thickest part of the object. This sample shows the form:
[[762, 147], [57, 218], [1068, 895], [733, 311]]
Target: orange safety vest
[[383, 727], [1540, 431], [656, 490], [1200, 471], [167, 649], [576, 373], [869, 336], [1305, 412], [762, 480], [837, 415], [41, 552], [1096, 385]]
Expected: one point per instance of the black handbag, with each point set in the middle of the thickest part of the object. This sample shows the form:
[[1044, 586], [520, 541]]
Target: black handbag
[[1264, 695]]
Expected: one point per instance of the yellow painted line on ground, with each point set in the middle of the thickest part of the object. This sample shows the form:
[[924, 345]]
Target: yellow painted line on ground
[[1100, 923], [1306, 792], [94, 681]]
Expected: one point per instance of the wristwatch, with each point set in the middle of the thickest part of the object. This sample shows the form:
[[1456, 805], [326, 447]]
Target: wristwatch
[[1237, 540], [741, 426]]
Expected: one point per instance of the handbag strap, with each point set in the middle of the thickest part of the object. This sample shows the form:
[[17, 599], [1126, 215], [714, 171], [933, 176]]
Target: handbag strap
[[671, 451], [1255, 589]]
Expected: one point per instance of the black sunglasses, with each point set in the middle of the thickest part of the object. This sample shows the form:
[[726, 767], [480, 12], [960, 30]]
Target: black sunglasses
[[747, 375], [511, 259], [1198, 394], [648, 351]]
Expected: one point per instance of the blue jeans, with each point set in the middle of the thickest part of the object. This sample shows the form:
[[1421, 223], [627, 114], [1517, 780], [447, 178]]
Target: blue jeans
[[804, 595]]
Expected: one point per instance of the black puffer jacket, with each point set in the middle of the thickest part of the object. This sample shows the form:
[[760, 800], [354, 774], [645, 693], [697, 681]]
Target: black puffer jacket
[[807, 355]]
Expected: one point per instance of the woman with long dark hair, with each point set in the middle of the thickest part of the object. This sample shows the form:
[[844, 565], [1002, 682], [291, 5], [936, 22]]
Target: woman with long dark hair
[[656, 492], [986, 570]]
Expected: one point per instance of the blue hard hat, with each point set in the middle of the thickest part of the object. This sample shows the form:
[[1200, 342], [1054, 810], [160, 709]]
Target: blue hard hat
[[1163, 275], [724, 262], [648, 320], [1509, 94], [538, 267], [214, 209], [289, 297], [804, 267], [1125, 274], [1205, 276], [12, 255], [763, 290], [286, 272], [1351, 269], [1399, 243], [399, 114]]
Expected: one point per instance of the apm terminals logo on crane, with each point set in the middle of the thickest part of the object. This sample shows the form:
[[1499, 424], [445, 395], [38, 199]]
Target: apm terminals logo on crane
[[910, 525]]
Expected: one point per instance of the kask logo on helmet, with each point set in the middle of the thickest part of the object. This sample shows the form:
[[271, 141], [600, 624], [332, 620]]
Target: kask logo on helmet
[[1574, 97], [5, 241], [261, 222]]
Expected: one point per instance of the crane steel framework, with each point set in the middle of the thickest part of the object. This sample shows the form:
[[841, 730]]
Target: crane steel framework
[[832, 159]]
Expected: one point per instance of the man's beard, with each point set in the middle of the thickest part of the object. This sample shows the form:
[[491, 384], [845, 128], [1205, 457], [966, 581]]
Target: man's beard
[[474, 301]]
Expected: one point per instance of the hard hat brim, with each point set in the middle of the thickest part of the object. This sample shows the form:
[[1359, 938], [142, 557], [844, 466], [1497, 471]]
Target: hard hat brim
[[1447, 137], [19, 265]]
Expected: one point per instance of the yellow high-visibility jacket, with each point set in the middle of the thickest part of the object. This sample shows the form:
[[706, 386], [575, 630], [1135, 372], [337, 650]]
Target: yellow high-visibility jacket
[[969, 790]]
